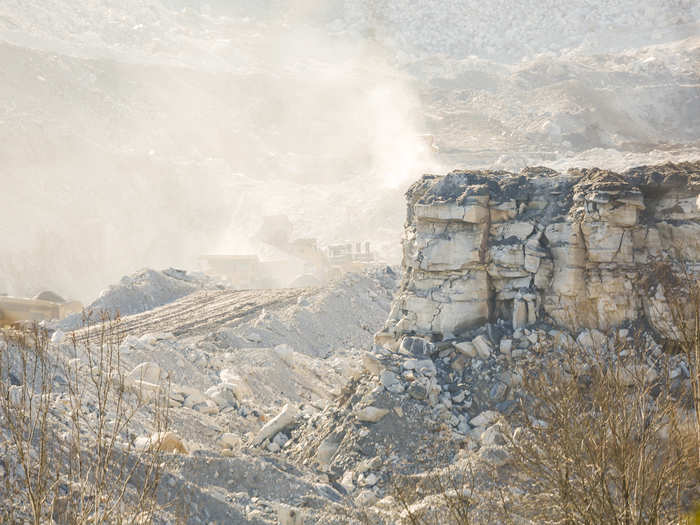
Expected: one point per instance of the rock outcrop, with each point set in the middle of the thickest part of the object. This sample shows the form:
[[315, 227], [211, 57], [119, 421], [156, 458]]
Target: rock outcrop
[[569, 248]]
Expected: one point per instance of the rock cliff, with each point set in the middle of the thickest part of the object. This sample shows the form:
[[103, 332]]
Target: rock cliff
[[565, 248]]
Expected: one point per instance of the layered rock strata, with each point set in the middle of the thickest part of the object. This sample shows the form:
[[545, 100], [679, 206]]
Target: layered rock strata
[[566, 248]]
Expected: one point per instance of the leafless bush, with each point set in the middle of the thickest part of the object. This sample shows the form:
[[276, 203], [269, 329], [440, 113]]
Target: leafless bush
[[441, 490], [677, 317], [64, 433], [444, 494], [602, 440]]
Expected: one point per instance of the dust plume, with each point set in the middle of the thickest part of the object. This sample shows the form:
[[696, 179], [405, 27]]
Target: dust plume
[[119, 154]]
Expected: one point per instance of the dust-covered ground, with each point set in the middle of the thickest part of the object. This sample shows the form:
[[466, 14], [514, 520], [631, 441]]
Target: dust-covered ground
[[232, 360]]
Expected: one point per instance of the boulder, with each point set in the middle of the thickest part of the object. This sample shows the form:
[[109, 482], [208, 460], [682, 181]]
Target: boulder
[[483, 346], [371, 363], [493, 435], [426, 367], [366, 498], [459, 363], [229, 440], [505, 346], [388, 379], [416, 346], [209, 407], [287, 515], [145, 390], [487, 417], [637, 374], [222, 394], [236, 383], [371, 414], [147, 371], [347, 481], [592, 340], [193, 398], [281, 421], [417, 391], [161, 441], [467, 348], [326, 450]]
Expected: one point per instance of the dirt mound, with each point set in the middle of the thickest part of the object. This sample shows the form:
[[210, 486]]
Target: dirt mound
[[142, 291]]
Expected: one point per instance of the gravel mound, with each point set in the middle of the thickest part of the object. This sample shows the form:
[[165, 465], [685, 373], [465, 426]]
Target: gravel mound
[[510, 31], [142, 291]]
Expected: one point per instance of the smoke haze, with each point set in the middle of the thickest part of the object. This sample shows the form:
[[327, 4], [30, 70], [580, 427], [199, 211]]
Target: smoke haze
[[115, 160], [138, 134]]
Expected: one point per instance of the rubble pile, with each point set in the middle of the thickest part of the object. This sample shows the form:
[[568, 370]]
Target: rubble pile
[[234, 392], [142, 291], [450, 395], [511, 30]]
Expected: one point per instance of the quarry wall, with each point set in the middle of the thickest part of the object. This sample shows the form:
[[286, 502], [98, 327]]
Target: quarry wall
[[570, 248]]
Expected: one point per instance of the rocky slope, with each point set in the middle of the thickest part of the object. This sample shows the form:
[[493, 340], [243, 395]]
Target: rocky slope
[[569, 249], [287, 414], [232, 360]]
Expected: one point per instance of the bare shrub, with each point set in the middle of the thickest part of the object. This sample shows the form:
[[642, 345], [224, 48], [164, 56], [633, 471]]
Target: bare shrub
[[444, 494], [601, 440], [64, 433], [677, 318]]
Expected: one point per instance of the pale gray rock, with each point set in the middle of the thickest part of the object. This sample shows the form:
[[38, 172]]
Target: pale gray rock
[[426, 367], [571, 248], [417, 391], [371, 414], [229, 440], [505, 346], [483, 346], [149, 372], [486, 418], [222, 394], [366, 498], [288, 515], [281, 421], [388, 379], [520, 316], [493, 435], [371, 363], [467, 348]]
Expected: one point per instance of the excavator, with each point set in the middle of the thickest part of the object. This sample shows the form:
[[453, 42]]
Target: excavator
[[298, 262]]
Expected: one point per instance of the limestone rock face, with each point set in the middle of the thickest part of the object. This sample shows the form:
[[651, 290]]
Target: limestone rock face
[[569, 248]]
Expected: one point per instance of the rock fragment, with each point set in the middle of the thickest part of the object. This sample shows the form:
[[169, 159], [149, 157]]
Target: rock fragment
[[483, 346], [485, 418], [148, 371], [281, 421], [288, 515], [161, 441], [371, 414]]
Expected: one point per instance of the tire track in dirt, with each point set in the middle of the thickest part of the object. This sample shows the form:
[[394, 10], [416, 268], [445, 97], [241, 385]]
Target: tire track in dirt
[[202, 311]]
